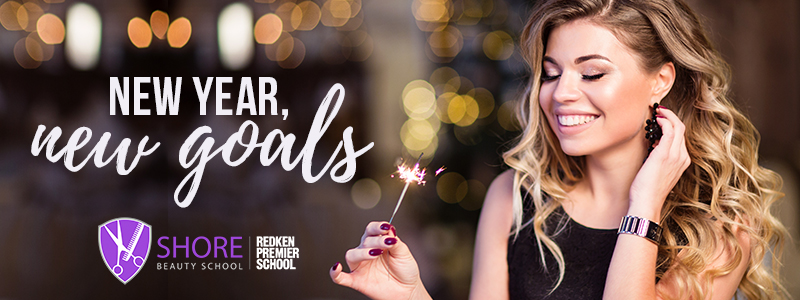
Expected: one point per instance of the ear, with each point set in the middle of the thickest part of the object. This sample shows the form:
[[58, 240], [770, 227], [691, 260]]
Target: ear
[[663, 81]]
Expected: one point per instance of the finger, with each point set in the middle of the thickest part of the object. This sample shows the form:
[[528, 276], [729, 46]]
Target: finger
[[667, 135], [356, 256], [339, 277], [678, 127], [667, 113], [399, 250], [678, 151], [383, 242], [376, 228]]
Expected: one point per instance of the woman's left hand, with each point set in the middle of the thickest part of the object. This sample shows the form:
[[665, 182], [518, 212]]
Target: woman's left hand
[[662, 169]]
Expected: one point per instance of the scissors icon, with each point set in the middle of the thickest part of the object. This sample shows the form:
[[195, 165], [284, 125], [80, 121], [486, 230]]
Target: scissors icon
[[128, 250]]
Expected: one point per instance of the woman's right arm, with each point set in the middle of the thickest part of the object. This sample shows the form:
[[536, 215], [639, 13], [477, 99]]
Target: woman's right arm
[[382, 267], [490, 267]]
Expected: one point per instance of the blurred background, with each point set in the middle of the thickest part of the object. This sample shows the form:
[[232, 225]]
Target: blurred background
[[436, 78]]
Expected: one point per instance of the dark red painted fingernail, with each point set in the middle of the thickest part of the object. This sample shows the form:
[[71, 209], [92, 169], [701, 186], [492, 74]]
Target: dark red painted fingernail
[[661, 117], [386, 226], [394, 232], [390, 241], [375, 252], [335, 266]]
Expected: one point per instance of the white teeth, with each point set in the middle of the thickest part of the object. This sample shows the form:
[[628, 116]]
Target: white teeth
[[575, 120]]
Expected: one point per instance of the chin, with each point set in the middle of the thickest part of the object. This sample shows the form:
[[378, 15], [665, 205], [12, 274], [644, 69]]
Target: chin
[[573, 150]]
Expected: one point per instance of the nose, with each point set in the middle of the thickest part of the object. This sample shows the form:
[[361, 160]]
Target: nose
[[566, 89]]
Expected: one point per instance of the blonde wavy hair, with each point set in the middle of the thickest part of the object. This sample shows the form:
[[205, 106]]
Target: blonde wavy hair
[[724, 188]]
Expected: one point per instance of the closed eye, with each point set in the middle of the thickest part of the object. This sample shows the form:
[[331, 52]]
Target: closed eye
[[593, 77], [546, 77]]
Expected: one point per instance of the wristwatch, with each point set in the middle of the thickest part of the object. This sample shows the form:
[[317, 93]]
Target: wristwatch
[[641, 227]]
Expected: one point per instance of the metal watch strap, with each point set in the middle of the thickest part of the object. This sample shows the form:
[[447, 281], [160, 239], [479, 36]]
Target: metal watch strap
[[641, 227]]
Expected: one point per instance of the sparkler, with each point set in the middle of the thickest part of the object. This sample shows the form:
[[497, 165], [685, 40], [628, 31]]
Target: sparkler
[[410, 175]]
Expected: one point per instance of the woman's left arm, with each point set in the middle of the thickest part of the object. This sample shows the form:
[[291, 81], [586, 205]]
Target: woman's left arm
[[632, 271], [631, 274]]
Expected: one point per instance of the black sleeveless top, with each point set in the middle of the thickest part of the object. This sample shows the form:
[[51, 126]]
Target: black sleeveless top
[[587, 256]]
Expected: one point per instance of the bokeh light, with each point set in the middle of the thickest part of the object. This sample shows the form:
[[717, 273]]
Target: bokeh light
[[179, 32], [450, 187], [340, 9], [21, 54], [50, 29], [353, 23], [159, 22], [446, 42], [28, 14], [286, 13], [37, 49], [310, 14], [410, 132], [291, 53], [8, 15], [83, 37], [34, 49], [460, 85], [432, 10], [420, 137], [474, 10], [271, 50], [440, 77], [506, 116], [366, 193], [355, 7], [419, 134], [485, 101], [498, 45], [419, 99], [268, 29], [462, 110], [443, 104], [476, 191], [139, 32], [284, 49], [335, 13], [235, 36], [421, 130]]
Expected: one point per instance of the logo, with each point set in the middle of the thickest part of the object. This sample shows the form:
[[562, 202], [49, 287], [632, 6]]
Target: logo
[[124, 245]]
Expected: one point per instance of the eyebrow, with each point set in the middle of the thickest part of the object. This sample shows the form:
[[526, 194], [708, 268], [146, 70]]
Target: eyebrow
[[580, 59]]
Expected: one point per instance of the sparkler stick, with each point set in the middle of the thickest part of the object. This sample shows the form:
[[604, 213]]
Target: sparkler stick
[[409, 176]]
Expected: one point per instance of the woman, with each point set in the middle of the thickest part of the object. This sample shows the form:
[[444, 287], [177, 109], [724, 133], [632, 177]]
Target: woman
[[582, 167]]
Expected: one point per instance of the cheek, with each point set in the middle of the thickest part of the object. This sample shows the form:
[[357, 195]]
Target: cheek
[[545, 99]]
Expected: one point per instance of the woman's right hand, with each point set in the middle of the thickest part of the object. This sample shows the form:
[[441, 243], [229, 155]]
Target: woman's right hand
[[381, 267]]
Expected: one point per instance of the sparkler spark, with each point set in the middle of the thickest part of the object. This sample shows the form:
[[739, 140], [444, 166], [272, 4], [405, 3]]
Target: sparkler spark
[[410, 175], [442, 168]]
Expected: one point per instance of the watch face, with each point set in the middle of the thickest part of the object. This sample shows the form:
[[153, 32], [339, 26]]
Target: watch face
[[654, 232]]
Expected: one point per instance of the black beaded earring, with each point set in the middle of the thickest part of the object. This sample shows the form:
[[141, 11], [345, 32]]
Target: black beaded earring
[[653, 130]]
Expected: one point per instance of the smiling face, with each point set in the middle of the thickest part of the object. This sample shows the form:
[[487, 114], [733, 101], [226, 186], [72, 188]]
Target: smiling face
[[594, 92]]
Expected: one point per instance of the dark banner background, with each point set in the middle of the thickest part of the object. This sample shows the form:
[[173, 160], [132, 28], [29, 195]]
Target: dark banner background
[[49, 216]]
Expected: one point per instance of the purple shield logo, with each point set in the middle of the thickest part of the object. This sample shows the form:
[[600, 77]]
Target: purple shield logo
[[124, 245]]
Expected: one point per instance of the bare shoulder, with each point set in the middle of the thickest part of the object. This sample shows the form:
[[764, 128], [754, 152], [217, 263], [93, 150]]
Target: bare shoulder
[[490, 268], [498, 205], [502, 188]]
